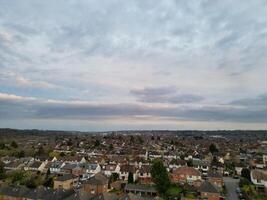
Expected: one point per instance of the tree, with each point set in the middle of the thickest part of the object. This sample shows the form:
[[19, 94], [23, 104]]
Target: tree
[[2, 145], [245, 173], [213, 149], [140, 140], [189, 163], [2, 171], [97, 143], [132, 139], [21, 154], [160, 176], [130, 177], [14, 144]]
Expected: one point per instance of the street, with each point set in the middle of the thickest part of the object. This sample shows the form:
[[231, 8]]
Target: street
[[231, 185]]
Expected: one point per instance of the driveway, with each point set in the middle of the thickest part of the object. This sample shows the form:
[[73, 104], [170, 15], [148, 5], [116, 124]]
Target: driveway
[[231, 185]]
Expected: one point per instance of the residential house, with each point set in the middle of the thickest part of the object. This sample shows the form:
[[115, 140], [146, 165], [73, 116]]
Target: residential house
[[55, 167], [125, 170], [202, 165], [208, 192], [144, 175], [36, 166], [96, 184], [259, 178], [111, 169], [188, 175], [141, 190], [14, 165], [66, 182], [215, 179]]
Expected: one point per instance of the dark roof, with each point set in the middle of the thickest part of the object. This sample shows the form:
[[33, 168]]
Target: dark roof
[[13, 191], [259, 174], [128, 168], [197, 162], [207, 187], [35, 164], [139, 187], [39, 193], [98, 179], [145, 169], [69, 166], [66, 177], [214, 174], [105, 196], [131, 196]]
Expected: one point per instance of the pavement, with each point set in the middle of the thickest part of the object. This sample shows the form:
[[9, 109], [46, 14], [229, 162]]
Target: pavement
[[231, 185]]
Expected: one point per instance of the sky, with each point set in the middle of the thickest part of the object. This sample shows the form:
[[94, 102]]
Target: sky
[[96, 65]]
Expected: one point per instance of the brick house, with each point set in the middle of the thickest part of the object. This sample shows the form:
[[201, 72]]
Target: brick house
[[67, 181], [188, 175], [208, 192], [96, 185]]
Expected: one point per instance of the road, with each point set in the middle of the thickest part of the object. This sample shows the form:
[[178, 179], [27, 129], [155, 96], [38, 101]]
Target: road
[[231, 185]]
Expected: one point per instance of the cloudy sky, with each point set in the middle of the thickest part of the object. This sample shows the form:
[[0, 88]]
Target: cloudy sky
[[116, 64]]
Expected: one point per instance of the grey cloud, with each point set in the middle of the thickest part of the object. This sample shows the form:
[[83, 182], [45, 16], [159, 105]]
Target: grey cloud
[[252, 102], [39, 109], [165, 95]]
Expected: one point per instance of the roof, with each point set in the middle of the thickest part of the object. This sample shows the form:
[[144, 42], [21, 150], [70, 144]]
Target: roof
[[39, 193], [128, 168], [207, 187], [145, 169], [197, 162], [106, 196], [69, 166], [187, 171], [98, 179], [131, 196], [139, 187], [259, 174], [214, 174], [35, 164], [66, 177]]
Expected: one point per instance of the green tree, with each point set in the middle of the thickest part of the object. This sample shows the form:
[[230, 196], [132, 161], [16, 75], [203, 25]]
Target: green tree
[[140, 140], [14, 144], [2, 171], [213, 149], [245, 173], [2, 145], [160, 176], [21, 154], [97, 143], [130, 177]]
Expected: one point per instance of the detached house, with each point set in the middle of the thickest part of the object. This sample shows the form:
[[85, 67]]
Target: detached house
[[208, 192], [111, 169], [66, 182], [202, 165], [35, 166], [96, 185], [215, 179], [186, 175], [55, 167], [144, 175], [259, 178], [125, 170]]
